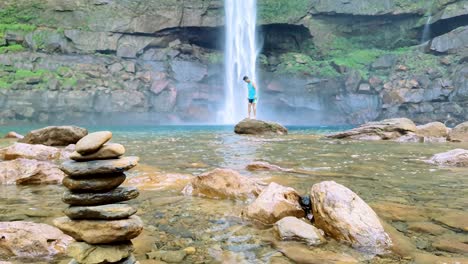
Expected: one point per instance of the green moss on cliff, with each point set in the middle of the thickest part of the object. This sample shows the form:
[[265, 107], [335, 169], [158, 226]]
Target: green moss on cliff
[[279, 11], [298, 63], [11, 49]]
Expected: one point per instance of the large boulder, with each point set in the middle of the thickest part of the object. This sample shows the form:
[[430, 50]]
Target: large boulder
[[101, 231], [452, 158], [292, 228], [451, 42], [31, 241], [274, 203], [343, 215], [259, 127], [26, 171], [28, 151], [223, 183], [432, 130], [459, 133], [380, 130], [55, 135]]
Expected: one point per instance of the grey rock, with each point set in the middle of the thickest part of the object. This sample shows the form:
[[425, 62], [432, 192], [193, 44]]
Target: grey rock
[[104, 212], [98, 167], [97, 254], [451, 42], [117, 195], [55, 135], [98, 184], [259, 127]]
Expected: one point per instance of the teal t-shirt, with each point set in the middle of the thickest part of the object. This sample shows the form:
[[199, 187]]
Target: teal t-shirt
[[252, 91]]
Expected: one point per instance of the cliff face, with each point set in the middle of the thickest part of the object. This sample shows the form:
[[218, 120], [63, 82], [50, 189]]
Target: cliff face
[[146, 61]]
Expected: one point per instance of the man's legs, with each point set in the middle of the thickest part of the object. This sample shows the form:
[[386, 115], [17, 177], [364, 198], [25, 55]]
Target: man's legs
[[249, 107], [254, 106]]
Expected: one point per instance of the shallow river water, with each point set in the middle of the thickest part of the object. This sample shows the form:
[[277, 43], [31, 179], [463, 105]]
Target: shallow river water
[[392, 177]]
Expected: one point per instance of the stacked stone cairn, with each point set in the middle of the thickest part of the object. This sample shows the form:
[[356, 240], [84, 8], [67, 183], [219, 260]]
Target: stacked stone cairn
[[96, 217]]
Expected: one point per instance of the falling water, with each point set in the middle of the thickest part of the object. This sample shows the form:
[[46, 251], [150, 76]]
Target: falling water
[[240, 56], [426, 35]]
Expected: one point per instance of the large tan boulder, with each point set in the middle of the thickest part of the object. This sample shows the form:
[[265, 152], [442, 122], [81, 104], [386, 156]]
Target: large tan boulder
[[31, 241], [387, 129], [459, 133], [259, 127], [29, 151], [101, 231], [26, 171], [223, 183], [293, 228], [97, 254], [452, 158], [92, 142], [274, 203], [343, 215], [432, 130], [55, 135]]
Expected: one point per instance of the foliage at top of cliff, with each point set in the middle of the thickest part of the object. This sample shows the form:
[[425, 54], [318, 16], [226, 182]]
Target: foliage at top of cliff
[[280, 11]]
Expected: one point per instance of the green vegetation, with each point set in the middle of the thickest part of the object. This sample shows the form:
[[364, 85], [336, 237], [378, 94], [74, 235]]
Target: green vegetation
[[215, 58], [12, 48], [280, 11], [297, 63]]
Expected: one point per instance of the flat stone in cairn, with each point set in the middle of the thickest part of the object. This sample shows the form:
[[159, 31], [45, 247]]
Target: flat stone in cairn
[[96, 167], [117, 195], [108, 151], [100, 184], [96, 254], [101, 231], [92, 142], [100, 212]]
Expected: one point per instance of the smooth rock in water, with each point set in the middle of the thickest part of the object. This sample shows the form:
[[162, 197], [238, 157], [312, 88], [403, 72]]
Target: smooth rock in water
[[223, 183], [264, 166], [119, 194], [292, 228], [300, 253], [98, 184], [410, 138], [434, 129], [108, 151], [274, 203], [456, 219], [459, 133], [55, 135], [343, 215], [381, 130], [426, 227], [176, 256], [100, 212], [96, 167], [26, 171], [92, 142], [28, 240], [450, 244], [97, 254], [452, 158], [13, 134], [29, 151], [259, 127], [101, 231]]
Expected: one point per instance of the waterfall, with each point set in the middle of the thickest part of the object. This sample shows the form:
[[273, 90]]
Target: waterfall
[[426, 35], [240, 56]]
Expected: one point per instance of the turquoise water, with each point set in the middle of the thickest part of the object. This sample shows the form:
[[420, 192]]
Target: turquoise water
[[384, 174]]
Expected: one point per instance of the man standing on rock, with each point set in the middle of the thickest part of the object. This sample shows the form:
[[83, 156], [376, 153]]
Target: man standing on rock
[[252, 96]]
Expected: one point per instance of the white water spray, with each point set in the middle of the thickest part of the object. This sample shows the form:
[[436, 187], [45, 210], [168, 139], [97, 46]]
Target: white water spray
[[240, 56], [426, 35]]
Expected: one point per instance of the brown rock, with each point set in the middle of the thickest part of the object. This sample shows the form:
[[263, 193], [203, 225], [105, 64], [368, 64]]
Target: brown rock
[[434, 129], [98, 184], [101, 231], [426, 227], [452, 158], [98, 167], [425, 258], [402, 245], [451, 245], [119, 194], [381, 130], [303, 254], [100, 212], [343, 215], [453, 218], [259, 127], [292, 228], [399, 212], [223, 183], [26, 171], [459, 133], [13, 134], [97, 254], [92, 142], [27, 240], [55, 135], [264, 166], [108, 151], [274, 203], [28, 151]]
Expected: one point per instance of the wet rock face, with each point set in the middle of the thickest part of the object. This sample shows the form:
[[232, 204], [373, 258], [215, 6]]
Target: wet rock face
[[32, 241], [55, 135], [451, 42], [346, 217], [223, 183], [259, 127]]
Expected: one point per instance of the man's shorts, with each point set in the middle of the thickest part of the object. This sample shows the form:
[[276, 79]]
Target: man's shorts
[[251, 101]]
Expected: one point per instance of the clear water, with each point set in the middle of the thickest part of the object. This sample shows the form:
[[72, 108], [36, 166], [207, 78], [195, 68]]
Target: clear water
[[240, 56], [380, 172]]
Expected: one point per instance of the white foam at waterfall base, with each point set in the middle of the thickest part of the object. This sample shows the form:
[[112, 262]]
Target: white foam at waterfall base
[[240, 57]]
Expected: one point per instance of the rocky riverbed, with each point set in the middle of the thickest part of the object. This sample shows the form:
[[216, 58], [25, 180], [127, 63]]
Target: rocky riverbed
[[419, 204]]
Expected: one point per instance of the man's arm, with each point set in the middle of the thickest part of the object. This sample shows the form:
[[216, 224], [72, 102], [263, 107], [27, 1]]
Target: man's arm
[[254, 86]]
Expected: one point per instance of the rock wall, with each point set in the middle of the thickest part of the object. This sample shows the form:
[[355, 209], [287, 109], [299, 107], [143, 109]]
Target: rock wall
[[323, 62]]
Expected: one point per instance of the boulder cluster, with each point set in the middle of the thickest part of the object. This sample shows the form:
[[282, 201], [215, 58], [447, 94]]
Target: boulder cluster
[[96, 217]]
